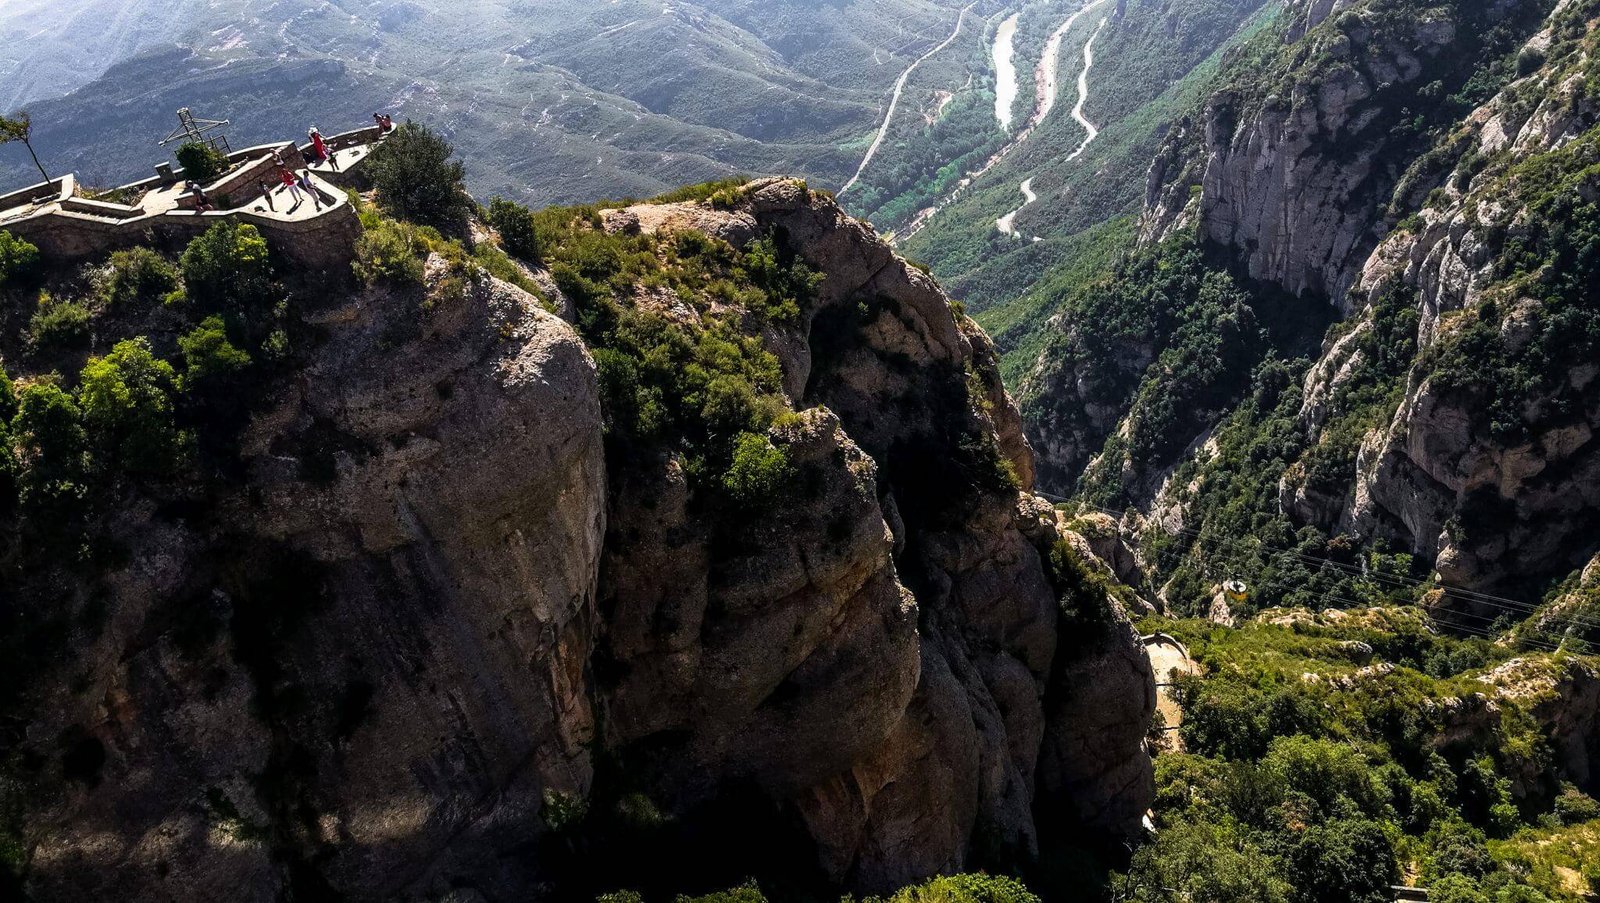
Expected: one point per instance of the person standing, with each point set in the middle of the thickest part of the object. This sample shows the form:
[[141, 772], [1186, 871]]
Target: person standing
[[291, 183], [319, 149], [305, 184], [266, 192]]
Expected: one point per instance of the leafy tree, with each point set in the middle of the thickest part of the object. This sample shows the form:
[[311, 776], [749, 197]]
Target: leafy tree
[[1327, 773], [517, 227], [201, 162], [227, 271], [54, 452], [417, 180], [1204, 861], [212, 364], [19, 259], [20, 128], [1343, 861], [126, 400]]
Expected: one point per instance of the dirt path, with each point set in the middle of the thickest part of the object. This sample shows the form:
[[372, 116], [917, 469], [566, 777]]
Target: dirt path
[[1004, 223], [899, 89], [1167, 656]]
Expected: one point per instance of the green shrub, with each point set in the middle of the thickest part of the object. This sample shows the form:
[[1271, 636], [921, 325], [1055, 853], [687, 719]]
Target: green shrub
[[126, 400], [227, 271], [1083, 595], [54, 450], [8, 398], [416, 179], [1573, 807], [758, 473], [1456, 889], [390, 252], [19, 259], [137, 278], [969, 888], [516, 225], [563, 811], [201, 162], [212, 364], [721, 193], [60, 325], [748, 893], [1457, 848]]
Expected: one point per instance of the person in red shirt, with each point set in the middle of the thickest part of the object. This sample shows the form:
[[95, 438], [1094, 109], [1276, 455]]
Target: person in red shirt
[[291, 183]]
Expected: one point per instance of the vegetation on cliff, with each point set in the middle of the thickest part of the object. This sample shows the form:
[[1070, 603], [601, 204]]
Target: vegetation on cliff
[[1325, 758]]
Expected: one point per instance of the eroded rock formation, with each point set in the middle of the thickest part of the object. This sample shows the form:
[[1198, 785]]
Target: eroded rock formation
[[406, 648]]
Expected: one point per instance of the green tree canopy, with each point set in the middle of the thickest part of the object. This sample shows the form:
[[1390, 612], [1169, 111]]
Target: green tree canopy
[[126, 399], [417, 180]]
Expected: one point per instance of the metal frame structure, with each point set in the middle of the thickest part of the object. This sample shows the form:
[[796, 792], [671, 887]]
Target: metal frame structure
[[194, 130]]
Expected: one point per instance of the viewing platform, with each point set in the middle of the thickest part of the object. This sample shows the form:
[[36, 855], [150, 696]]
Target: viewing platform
[[68, 223]]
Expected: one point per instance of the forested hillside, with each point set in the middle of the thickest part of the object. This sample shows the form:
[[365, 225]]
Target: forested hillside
[[1153, 60], [1341, 329]]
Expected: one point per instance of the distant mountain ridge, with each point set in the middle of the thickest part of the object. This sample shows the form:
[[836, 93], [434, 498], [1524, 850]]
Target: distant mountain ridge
[[621, 99]]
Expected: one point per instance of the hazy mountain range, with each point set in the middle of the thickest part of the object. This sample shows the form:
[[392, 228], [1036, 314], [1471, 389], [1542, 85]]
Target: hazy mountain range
[[552, 99]]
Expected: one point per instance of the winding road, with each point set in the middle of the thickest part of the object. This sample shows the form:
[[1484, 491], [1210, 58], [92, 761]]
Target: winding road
[[1007, 224], [1004, 223], [899, 89], [1045, 79]]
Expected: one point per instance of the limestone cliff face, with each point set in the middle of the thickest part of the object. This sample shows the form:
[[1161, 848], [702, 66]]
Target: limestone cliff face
[[364, 669], [425, 626], [1297, 171], [1512, 495], [1426, 168], [927, 713]]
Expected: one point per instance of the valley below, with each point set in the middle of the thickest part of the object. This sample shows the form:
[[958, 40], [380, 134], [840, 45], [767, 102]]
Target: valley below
[[788, 451]]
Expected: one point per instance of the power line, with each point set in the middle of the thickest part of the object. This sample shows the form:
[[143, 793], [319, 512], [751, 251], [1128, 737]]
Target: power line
[[1395, 580]]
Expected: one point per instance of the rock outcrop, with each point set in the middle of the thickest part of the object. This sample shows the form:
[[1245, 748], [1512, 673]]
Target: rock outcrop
[[426, 626], [365, 668], [1352, 167], [1297, 172], [943, 606]]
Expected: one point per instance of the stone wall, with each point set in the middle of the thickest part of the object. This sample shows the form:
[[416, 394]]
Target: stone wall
[[324, 242], [77, 228], [56, 188]]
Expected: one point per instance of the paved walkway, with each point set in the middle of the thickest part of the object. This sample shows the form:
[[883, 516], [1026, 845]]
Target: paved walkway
[[345, 160]]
